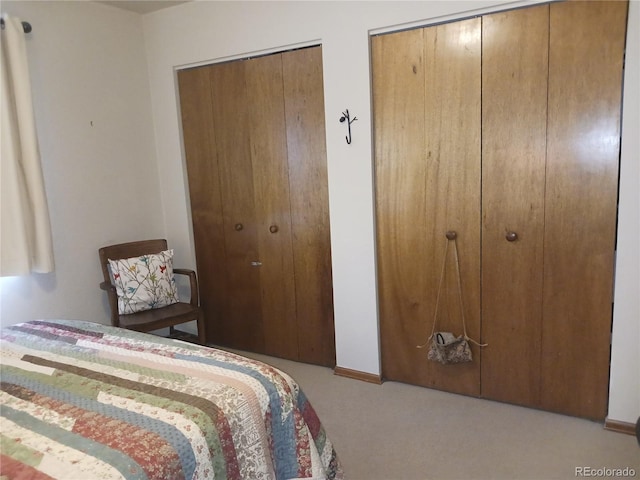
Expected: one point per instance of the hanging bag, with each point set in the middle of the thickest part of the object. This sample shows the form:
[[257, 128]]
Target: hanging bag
[[445, 347]]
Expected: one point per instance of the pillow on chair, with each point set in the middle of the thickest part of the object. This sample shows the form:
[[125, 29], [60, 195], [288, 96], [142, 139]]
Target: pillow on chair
[[145, 282]]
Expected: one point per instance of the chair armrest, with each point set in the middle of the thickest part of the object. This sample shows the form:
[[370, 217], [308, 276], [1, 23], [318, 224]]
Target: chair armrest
[[193, 281], [112, 295]]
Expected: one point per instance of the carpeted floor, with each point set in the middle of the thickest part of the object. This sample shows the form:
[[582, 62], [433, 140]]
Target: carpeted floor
[[395, 431]]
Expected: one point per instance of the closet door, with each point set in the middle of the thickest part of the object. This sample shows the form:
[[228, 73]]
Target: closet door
[[427, 132], [400, 171], [214, 112], [514, 122], [270, 177], [206, 205], [550, 135], [585, 81], [242, 325], [256, 162], [309, 202]]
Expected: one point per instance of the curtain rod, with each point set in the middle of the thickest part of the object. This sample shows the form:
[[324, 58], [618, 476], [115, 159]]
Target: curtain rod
[[26, 26]]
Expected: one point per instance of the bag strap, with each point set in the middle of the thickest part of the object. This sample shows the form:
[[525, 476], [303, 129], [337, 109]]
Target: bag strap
[[464, 326], [451, 236], [442, 275]]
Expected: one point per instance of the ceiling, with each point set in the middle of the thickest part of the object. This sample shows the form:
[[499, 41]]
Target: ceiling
[[142, 6]]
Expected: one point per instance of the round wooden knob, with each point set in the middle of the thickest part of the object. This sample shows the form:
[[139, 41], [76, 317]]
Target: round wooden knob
[[273, 228], [238, 227], [451, 235], [511, 236]]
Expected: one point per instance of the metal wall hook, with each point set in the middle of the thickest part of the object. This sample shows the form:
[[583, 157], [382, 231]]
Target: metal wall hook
[[26, 26], [345, 118]]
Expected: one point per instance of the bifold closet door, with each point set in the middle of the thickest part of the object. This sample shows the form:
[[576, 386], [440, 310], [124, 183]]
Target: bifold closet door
[[215, 112], [256, 163], [514, 121], [587, 41], [551, 110], [309, 203], [549, 130], [270, 178], [426, 87]]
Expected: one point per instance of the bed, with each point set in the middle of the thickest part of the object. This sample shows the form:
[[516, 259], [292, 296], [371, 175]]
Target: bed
[[81, 400]]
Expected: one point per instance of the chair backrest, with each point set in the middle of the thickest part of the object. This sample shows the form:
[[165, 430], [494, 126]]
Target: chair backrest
[[128, 250]]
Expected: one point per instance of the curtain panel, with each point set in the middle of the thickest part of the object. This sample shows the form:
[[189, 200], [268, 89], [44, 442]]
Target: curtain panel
[[25, 231]]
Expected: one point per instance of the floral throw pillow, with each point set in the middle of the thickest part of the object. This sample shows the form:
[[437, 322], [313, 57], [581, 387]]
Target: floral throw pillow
[[144, 283]]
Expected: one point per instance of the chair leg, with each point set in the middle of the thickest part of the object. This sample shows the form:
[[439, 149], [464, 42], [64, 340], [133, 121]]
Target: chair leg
[[202, 334]]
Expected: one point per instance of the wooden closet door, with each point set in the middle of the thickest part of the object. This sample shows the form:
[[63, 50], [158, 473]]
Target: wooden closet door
[[400, 172], [514, 121], [309, 202], [268, 146], [427, 132], [585, 81], [206, 202], [213, 108], [242, 326], [256, 162], [452, 147], [551, 90]]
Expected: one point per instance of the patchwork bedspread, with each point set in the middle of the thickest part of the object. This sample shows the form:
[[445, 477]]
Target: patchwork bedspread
[[86, 401]]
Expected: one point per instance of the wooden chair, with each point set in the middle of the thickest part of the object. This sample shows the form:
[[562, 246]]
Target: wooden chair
[[156, 318]]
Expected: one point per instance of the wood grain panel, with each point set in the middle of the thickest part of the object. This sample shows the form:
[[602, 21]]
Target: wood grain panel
[[242, 326], [400, 175], [267, 128], [452, 147], [551, 90], [427, 138], [585, 78], [241, 136], [206, 205], [514, 121], [309, 199]]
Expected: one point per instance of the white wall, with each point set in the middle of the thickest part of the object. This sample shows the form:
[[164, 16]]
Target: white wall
[[204, 32], [87, 64], [624, 399]]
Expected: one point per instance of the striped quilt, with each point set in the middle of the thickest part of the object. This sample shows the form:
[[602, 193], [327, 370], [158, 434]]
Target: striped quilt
[[86, 401]]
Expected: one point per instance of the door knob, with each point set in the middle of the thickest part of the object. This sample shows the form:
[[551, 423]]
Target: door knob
[[238, 227], [256, 264], [273, 228], [511, 236]]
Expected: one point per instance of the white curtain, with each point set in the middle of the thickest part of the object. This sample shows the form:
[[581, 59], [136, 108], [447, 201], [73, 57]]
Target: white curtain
[[25, 231]]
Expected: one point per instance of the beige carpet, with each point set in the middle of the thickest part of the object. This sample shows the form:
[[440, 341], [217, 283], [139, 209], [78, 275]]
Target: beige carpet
[[401, 432]]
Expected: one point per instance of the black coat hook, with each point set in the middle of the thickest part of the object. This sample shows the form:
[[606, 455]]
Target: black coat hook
[[345, 118]]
